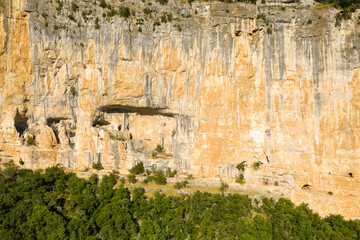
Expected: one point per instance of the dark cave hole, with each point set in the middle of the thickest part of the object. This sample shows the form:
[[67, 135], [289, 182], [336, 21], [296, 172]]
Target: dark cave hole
[[20, 123], [53, 120], [100, 122]]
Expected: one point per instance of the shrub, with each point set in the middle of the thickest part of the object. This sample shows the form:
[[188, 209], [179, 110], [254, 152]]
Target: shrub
[[132, 178], [60, 5], [147, 11], [241, 166], [160, 180], [149, 179], [190, 177], [72, 18], [158, 172], [31, 141], [72, 145], [122, 180], [256, 165], [154, 154], [74, 7], [137, 169], [163, 18], [223, 187], [46, 24], [330, 193], [103, 4], [21, 162], [240, 179], [309, 21], [124, 12], [158, 177], [163, 2], [170, 173], [179, 185], [269, 30], [118, 137], [159, 148], [97, 166], [97, 26], [178, 27], [156, 23], [276, 183], [73, 89], [337, 23], [111, 13], [139, 21]]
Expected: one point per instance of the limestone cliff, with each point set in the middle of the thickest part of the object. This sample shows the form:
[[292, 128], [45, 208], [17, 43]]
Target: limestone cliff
[[213, 84]]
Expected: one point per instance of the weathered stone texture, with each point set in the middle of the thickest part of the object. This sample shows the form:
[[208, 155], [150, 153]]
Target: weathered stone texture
[[225, 89]]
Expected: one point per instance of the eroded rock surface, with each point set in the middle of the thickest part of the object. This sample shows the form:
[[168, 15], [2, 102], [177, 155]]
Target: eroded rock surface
[[213, 84]]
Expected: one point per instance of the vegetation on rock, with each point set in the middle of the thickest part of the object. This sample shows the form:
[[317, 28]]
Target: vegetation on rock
[[31, 141], [182, 184], [132, 178], [256, 165], [241, 179], [97, 166], [137, 169], [347, 7], [223, 187], [159, 148]]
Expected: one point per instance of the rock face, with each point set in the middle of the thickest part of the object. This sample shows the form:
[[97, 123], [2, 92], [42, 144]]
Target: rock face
[[213, 84]]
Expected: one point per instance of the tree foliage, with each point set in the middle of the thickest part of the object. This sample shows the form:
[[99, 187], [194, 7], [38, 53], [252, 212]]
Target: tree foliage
[[137, 169], [52, 204]]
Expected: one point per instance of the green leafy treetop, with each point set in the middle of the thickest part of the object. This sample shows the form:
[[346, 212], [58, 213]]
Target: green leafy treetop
[[53, 204]]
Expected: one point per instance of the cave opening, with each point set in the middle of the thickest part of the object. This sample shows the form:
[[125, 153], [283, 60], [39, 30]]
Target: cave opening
[[100, 121], [20, 123]]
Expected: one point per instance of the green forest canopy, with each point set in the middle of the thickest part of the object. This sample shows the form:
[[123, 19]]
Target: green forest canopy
[[52, 204], [341, 3]]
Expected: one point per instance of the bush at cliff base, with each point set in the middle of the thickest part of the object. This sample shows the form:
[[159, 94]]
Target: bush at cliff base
[[52, 204]]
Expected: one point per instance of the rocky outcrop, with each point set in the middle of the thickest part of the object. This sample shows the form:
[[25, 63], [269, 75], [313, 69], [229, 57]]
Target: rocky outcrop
[[213, 84]]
